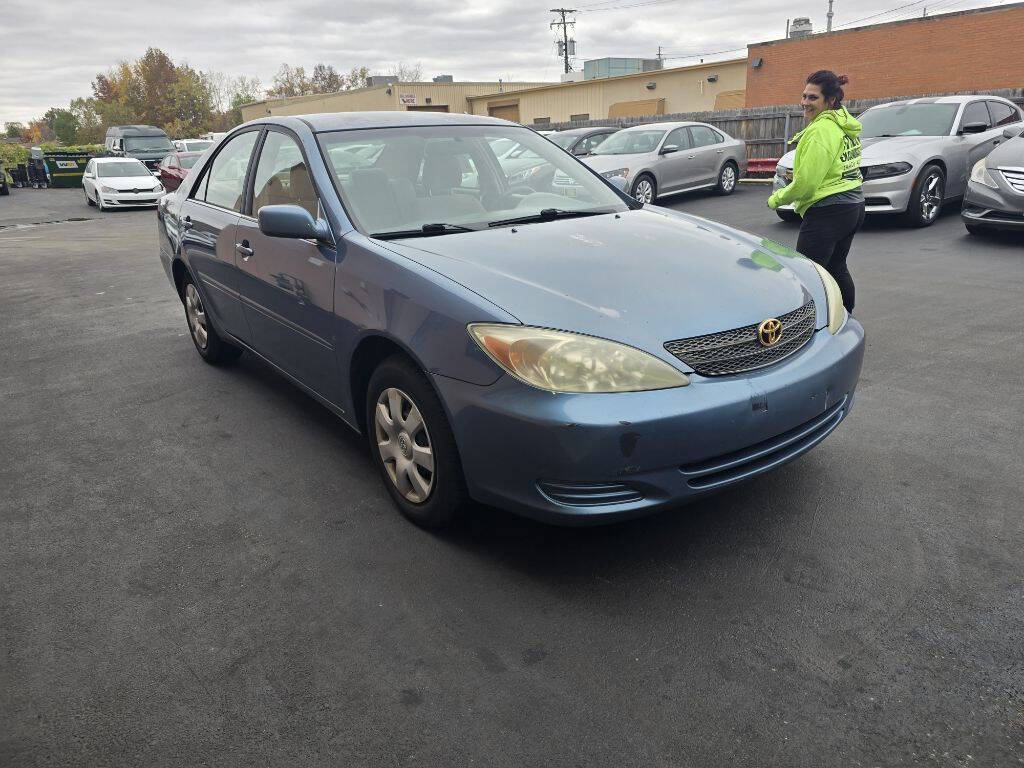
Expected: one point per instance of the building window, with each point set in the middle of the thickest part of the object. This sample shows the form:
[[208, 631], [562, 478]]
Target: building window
[[542, 121], [579, 118]]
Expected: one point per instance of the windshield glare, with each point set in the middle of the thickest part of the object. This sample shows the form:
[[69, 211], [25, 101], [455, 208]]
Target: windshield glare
[[630, 143], [398, 179], [126, 168], [908, 120], [148, 144]]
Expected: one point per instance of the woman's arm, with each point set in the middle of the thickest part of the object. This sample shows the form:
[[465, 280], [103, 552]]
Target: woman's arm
[[812, 161]]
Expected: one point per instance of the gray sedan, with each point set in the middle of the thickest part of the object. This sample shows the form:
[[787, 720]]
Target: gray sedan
[[665, 158], [918, 153], [995, 192]]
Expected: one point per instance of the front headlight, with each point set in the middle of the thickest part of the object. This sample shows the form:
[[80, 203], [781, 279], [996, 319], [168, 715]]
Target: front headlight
[[833, 298], [107, 190], [158, 188], [623, 172], [557, 361], [980, 175], [885, 170]]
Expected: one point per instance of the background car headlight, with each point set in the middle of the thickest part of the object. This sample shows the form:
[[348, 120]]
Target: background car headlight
[[833, 297], [567, 362], [108, 190], [520, 176], [158, 188], [980, 175], [885, 170], [623, 172]]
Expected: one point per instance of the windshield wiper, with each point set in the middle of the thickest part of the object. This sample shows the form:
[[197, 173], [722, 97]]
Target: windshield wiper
[[548, 214], [427, 230]]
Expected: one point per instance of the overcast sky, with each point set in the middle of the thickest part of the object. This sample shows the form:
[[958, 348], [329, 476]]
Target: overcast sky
[[52, 49]]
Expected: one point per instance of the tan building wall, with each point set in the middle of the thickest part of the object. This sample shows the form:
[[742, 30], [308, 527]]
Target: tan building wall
[[680, 89], [451, 97]]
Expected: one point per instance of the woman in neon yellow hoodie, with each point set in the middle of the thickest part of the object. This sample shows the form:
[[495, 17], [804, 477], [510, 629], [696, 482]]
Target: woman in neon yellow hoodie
[[826, 186]]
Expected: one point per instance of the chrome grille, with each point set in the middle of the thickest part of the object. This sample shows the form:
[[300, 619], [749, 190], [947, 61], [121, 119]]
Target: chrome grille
[[738, 350], [1014, 177]]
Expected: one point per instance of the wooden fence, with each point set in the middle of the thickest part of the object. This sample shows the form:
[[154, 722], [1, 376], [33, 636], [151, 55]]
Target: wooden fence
[[765, 129]]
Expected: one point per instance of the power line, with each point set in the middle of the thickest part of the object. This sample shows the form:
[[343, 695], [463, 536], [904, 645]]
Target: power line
[[882, 13], [565, 32]]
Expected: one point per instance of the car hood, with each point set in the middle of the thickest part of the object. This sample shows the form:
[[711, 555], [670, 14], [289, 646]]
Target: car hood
[[602, 163], [1008, 154], [122, 183], [881, 149], [641, 277]]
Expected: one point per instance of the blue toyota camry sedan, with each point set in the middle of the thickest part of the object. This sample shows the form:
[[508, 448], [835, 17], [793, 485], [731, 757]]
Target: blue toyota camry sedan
[[564, 352]]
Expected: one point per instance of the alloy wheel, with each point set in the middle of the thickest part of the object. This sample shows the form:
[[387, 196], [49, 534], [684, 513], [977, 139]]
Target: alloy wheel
[[728, 178], [644, 191], [196, 316], [931, 197], [404, 445]]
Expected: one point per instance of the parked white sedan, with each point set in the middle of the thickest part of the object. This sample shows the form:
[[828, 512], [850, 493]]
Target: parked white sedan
[[120, 182]]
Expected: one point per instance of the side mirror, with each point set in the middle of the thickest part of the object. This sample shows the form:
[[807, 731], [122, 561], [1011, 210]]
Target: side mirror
[[291, 221], [668, 149], [1013, 133], [978, 127], [581, 152]]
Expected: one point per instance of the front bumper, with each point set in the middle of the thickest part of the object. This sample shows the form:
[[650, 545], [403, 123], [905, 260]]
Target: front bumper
[[889, 195], [128, 199], [993, 208], [579, 459]]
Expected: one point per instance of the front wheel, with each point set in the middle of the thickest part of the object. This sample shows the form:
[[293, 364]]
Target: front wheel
[[926, 197], [413, 446], [791, 216], [645, 189], [727, 178], [88, 200]]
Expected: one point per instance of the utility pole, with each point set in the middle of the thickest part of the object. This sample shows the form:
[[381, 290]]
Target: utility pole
[[565, 32], [828, 26]]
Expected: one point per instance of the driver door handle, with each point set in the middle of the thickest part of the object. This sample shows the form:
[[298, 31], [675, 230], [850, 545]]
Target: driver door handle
[[719, 151], [244, 249]]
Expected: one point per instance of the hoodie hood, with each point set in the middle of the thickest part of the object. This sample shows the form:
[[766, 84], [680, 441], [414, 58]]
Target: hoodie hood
[[847, 123]]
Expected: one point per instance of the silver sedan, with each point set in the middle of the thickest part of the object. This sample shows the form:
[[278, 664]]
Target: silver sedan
[[666, 158], [918, 153]]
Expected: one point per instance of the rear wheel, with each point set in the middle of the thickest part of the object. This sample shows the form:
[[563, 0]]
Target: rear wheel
[[413, 445], [210, 346], [791, 216], [645, 189], [727, 178], [926, 197]]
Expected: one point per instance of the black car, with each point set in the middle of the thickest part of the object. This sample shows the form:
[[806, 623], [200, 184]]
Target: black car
[[581, 141]]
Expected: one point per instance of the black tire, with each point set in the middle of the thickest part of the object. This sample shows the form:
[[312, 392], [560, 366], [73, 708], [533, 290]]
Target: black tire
[[728, 178], [88, 200], [213, 349], [446, 499], [635, 190], [926, 195], [4, 190], [791, 216]]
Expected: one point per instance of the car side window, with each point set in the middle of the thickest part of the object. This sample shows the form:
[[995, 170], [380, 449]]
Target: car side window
[[588, 144], [975, 112], [1003, 114], [679, 137], [225, 183], [282, 177], [703, 136]]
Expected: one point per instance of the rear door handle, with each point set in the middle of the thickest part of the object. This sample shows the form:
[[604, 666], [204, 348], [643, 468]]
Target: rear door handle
[[719, 151], [244, 249]]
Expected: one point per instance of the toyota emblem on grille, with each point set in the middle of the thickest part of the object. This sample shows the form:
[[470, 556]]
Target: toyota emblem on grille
[[769, 332]]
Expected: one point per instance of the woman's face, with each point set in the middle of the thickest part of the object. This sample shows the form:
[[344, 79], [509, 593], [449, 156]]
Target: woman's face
[[812, 101]]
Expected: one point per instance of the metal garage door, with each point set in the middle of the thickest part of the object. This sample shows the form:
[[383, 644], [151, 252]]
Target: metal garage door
[[506, 110]]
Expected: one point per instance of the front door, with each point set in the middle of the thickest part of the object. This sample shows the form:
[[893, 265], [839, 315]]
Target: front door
[[287, 285], [973, 146], [675, 170], [207, 222]]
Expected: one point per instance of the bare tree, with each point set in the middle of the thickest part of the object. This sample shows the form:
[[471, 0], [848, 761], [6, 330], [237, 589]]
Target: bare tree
[[406, 73]]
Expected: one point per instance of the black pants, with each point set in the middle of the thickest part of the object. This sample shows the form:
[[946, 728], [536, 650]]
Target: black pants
[[825, 237]]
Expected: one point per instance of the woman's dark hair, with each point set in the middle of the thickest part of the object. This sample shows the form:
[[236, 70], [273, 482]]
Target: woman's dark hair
[[831, 86]]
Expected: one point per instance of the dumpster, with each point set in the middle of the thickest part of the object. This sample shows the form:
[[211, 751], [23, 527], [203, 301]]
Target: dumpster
[[66, 168]]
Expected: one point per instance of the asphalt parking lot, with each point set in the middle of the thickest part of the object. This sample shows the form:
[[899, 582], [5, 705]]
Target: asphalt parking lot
[[198, 566]]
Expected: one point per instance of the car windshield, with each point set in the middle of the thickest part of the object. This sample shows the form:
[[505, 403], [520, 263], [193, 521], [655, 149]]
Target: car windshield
[[908, 120], [630, 143], [563, 140], [121, 169], [187, 161], [147, 144], [197, 146], [428, 176]]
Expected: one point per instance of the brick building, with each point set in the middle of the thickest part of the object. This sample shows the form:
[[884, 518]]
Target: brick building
[[973, 50]]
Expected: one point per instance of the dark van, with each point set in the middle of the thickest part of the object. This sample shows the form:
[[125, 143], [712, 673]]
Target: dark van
[[143, 142]]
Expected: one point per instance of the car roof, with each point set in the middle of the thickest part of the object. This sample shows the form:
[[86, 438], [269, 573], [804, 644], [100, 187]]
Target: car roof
[[585, 131], [960, 99], [668, 126], [346, 121]]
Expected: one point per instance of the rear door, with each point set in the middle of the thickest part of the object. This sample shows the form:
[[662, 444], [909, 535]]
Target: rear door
[[287, 285], [707, 150], [207, 220]]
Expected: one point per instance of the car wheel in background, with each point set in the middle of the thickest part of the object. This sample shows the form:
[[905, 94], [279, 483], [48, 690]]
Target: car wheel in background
[[211, 347], [413, 446], [727, 178], [99, 202], [791, 216], [926, 197], [645, 189], [88, 200]]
